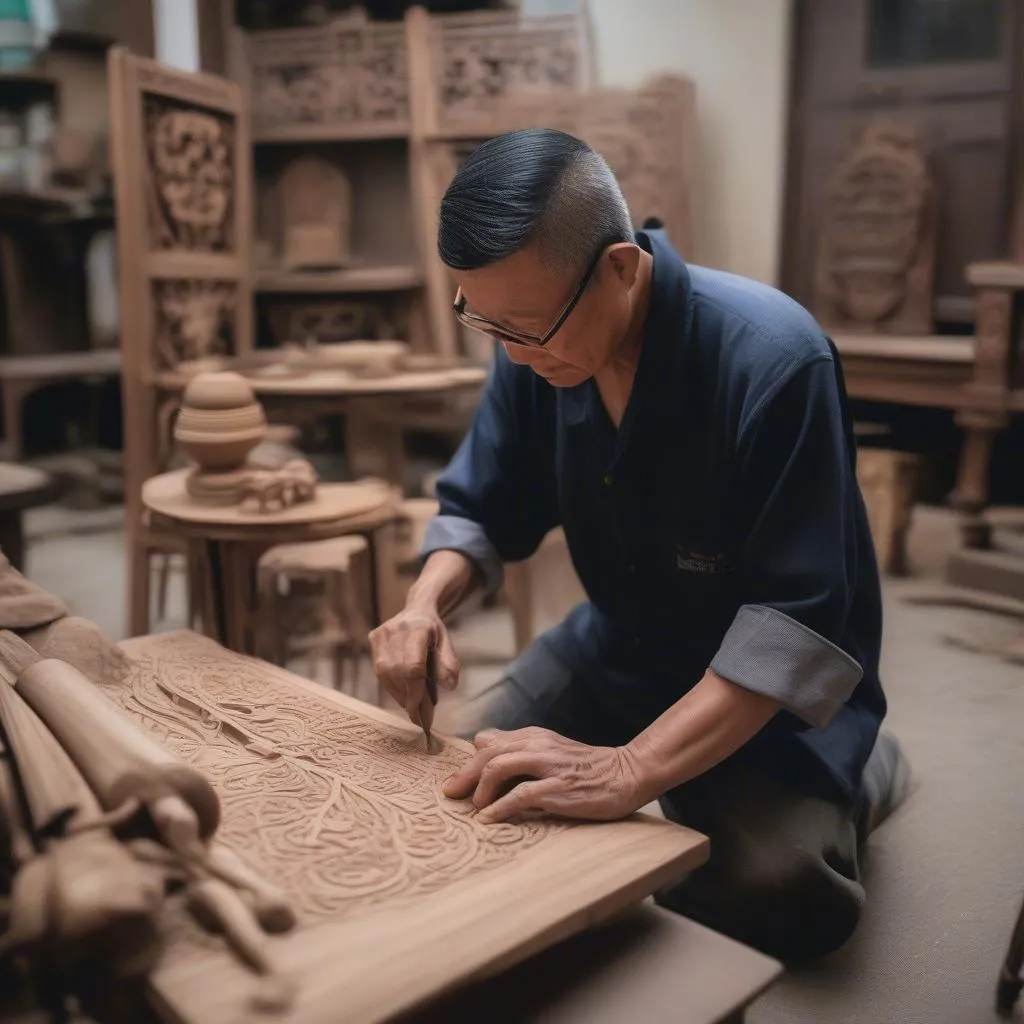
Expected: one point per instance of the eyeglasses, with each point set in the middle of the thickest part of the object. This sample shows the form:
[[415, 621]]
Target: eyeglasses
[[510, 334]]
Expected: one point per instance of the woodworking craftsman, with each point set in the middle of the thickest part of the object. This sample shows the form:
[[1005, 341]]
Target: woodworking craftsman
[[689, 431]]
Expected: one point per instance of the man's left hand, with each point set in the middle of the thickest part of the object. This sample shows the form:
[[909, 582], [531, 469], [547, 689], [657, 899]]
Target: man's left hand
[[549, 774]]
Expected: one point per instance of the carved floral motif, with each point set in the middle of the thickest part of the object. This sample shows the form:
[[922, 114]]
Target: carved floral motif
[[338, 809], [876, 261], [194, 320], [191, 168]]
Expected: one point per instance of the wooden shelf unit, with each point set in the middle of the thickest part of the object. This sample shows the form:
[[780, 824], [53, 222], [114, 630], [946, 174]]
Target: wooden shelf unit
[[340, 282], [371, 97]]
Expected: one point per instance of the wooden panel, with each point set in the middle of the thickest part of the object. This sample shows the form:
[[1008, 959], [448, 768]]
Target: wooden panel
[[401, 894]]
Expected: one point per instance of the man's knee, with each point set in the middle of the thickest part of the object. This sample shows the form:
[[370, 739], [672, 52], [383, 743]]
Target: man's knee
[[786, 902]]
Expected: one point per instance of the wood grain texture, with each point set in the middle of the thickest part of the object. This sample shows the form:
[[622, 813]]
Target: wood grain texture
[[401, 894]]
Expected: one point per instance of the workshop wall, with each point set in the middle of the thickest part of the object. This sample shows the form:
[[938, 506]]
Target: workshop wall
[[738, 52]]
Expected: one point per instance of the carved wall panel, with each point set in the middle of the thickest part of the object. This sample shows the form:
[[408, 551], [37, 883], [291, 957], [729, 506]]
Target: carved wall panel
[[194, 320], [191, 176], [489, 59], [649, 138], [352, 72], [876, 258]]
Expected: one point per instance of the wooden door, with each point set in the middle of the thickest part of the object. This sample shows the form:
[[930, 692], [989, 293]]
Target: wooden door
[[181, 159], [944, 67]]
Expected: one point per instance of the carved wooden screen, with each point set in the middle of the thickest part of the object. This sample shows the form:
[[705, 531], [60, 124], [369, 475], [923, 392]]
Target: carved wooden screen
[[180, 152]]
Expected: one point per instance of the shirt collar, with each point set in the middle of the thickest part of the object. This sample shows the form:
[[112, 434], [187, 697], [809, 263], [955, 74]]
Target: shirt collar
[[669, 323]]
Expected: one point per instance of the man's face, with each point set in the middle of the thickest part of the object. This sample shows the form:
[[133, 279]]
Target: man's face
[[521, 294]]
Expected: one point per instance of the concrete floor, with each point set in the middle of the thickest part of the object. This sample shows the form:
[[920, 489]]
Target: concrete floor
[[945, 875]]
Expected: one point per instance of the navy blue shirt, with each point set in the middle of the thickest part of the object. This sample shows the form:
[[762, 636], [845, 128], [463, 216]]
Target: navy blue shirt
[[720, 526]]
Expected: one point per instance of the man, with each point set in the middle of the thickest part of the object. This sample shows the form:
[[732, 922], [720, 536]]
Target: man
[[689, 430]]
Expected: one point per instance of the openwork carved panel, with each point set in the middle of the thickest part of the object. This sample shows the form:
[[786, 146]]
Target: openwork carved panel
[[490, 59], [340, 810], [351, 73], [876, 259], [194, 319], [190, 154]]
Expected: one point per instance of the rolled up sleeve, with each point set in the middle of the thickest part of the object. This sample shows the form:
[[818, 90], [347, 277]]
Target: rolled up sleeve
[[798, 567], [497, 496]]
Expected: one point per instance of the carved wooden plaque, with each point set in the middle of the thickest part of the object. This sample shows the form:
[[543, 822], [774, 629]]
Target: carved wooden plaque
[[401, 893], [876, 260]]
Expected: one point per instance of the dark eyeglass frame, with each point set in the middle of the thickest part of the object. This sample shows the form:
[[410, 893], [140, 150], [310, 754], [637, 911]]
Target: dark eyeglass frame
[[489, 327]]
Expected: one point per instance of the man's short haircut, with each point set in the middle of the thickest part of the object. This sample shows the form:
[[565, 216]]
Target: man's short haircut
[[536, 187]]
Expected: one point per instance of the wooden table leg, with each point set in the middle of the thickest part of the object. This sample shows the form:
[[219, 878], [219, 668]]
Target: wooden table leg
[[12, 538], [205, 578]]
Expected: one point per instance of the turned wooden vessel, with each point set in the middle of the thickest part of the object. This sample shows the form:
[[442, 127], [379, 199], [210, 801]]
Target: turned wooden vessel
[[220, 422]]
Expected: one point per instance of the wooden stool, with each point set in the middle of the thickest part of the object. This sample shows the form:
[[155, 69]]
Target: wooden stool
[[341, 611], [888, 481]]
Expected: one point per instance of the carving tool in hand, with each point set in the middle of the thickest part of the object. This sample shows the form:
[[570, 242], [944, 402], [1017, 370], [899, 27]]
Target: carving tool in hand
[[429, 699]]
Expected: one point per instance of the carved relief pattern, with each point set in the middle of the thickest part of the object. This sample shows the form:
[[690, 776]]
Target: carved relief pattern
[[486, 60], [340, 810], [876, 262], [194, 320], [354, 72], [190, 158]]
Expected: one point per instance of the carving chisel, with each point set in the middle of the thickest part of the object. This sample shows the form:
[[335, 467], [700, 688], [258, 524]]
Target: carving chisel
[[429, 698]]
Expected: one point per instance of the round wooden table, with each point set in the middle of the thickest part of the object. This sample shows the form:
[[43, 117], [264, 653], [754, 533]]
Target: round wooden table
[[378, 409], [225, 544], [21, 487]]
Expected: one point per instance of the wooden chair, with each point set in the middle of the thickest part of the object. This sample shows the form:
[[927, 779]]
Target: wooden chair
[[326, 583]]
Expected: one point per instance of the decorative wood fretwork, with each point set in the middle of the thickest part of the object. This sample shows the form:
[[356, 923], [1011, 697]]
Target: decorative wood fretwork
[[488, 60], [194, 320], [876, 260], [190, 171], [352, 73]]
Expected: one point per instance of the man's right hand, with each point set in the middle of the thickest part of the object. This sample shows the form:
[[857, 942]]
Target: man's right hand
[[399, 649]]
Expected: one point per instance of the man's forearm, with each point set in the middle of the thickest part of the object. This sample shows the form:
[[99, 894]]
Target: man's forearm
[[447, 579], [701, 729]]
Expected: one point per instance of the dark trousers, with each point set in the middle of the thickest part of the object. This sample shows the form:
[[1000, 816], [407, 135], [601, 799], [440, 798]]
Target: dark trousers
[[782, 875]]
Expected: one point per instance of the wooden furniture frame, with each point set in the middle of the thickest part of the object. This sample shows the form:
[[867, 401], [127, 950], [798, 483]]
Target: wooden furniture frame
[[183, 256]]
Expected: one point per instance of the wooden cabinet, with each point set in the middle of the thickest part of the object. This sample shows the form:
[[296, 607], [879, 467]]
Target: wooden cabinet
[[947, 69]]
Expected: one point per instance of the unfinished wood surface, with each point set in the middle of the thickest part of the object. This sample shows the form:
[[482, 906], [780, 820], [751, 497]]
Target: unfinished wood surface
[[401, 894], [887, 480], [646, 965], [180, 155]]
